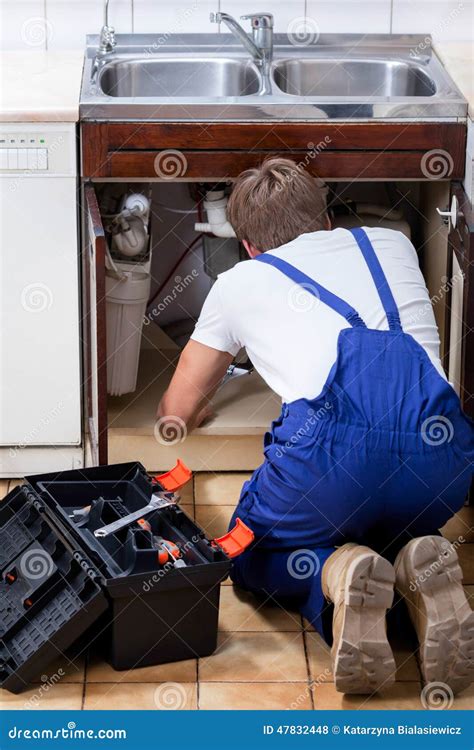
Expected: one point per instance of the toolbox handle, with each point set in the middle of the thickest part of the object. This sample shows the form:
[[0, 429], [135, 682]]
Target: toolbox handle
[[236, 540], [175, 478]]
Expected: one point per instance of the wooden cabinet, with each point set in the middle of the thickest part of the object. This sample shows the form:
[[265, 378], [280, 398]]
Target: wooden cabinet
[[354, 152]]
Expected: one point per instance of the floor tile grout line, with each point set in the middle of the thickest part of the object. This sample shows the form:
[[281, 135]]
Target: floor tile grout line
[[84, 682], [213, 682], [198, 686], [308, 666]]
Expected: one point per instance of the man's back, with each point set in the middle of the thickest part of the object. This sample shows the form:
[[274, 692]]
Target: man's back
[[291, 336]]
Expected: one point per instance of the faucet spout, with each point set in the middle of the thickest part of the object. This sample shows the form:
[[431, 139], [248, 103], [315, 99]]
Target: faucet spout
[[240, 33], [260, 46], [107, 34]]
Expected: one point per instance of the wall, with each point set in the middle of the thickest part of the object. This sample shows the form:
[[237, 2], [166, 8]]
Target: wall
[[63, 24]]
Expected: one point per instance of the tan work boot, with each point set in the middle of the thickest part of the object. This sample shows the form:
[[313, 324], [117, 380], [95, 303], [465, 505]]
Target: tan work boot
[[360, 584], [430, 579]]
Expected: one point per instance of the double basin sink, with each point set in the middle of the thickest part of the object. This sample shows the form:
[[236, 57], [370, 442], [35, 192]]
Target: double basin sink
[[204, 76]]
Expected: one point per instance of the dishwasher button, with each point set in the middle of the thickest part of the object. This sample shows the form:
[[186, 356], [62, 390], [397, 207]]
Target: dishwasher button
[[42, 158], [22, 158], [12, 158], [32, 158]]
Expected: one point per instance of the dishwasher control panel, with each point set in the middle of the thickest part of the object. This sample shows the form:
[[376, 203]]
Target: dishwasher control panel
[[43, 148]]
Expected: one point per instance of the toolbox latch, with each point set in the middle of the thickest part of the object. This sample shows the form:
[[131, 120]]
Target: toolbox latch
[[236, 540], [175, 478]]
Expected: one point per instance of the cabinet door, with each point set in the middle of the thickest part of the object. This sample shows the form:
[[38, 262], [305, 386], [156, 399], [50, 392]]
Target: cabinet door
[[94, 330], [460, 360]]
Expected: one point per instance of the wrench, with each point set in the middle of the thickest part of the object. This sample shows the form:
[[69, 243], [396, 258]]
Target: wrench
[[157, 502]]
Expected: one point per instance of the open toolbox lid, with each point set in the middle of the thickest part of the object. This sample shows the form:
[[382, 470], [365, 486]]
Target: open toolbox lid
[[50, 593], [57, 578]]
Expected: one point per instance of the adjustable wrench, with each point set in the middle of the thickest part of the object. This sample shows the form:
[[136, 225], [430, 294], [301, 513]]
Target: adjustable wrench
[[158, 501]]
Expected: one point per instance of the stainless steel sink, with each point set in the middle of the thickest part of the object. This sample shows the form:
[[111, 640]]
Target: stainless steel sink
[[185, 77], [361, 78], [211, 77]]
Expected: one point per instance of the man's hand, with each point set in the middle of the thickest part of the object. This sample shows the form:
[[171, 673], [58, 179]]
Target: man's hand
[[204, 415], [198, 375]]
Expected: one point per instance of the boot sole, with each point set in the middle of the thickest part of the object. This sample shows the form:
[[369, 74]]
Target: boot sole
[[362, 658], [446, 629]]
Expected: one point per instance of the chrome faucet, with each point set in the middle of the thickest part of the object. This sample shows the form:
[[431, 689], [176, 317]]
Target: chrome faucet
[[107, 43], [107, 34], [260, 46]]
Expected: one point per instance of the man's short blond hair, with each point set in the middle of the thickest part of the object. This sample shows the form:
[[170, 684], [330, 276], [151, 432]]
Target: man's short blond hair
[[275, 203]]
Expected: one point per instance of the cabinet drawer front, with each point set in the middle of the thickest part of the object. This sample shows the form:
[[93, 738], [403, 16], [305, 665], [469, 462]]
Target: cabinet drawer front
[[333, 151], [222, 165]]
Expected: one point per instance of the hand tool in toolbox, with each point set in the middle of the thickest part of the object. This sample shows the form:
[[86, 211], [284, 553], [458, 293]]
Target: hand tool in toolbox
[[170, 481], [168, 552], [158, 501]]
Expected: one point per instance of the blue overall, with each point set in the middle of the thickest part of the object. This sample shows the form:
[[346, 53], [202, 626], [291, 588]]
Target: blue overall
[[382, 455]]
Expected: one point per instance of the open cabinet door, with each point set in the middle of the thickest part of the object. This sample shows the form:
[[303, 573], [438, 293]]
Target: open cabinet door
[[460, 307], [460, 349], [94, 331]]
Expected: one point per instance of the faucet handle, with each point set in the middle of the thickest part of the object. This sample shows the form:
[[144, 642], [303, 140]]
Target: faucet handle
[[259, 20]]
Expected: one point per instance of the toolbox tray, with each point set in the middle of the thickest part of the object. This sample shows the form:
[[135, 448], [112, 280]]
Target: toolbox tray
[[58, 580]]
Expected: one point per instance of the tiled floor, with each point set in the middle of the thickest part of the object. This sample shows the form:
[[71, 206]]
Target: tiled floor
[[267, 658]]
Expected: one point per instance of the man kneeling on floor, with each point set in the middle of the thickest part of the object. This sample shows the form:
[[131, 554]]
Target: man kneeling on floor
[[371, 454]]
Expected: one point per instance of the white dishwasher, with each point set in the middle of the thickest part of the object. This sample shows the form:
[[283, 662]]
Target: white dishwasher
[[40, 370]]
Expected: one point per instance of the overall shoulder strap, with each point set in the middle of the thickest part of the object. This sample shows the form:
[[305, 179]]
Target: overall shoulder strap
[[380, 281], [328, 298]]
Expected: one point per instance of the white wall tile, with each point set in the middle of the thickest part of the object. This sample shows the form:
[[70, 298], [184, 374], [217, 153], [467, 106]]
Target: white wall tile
[[174, 17], [22, 25], [350, 16], [56, 24], [284, 11], [443, 19], [71, 20]]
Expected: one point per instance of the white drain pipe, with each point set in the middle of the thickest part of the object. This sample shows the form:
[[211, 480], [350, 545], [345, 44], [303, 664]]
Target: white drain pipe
[[215, 205]]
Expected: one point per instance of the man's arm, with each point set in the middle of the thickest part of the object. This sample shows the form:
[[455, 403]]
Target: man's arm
[[198, 374]]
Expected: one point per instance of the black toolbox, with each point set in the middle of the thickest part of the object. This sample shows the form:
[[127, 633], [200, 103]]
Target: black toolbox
[[58, 580]]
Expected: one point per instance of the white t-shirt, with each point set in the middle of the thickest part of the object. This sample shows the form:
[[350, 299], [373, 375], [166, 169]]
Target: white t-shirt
[[289, 335]]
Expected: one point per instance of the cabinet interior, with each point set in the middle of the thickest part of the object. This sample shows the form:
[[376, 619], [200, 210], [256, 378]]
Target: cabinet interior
[[245, 407]]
